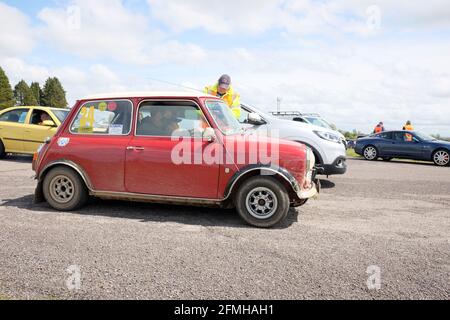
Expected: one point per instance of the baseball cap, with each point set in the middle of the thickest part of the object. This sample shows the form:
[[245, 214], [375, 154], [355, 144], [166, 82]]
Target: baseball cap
[[224, 81]]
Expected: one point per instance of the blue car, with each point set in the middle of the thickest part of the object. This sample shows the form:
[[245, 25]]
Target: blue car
[[404, 144]]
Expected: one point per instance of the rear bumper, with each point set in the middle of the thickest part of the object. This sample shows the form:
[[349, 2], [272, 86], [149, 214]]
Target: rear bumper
[[339, 166]]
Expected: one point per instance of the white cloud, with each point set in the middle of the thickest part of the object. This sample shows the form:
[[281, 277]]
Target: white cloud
[[353, 81], [16, 36], [217, 16], [300, 17], [17, 69], [353, 85], [107, 29]]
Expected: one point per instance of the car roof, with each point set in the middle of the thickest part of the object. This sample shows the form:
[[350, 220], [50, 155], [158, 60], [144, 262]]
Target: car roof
[[389, 131], [148, 94], [42, 107]]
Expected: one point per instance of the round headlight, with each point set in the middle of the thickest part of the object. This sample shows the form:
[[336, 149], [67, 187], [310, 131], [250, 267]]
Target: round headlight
[[310, 159]]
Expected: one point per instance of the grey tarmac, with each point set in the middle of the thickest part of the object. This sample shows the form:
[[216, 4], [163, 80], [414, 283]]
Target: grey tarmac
[[393, 217]]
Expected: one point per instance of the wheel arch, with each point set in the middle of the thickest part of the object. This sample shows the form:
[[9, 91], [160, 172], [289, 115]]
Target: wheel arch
[[438, 149], [69, 164], [371, 145], [280, 174]]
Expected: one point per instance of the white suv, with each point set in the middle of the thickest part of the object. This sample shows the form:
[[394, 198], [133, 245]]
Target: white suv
[[327, 145]]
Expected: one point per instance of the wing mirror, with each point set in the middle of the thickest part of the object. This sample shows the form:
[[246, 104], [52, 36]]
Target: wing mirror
[[254, 118], [48, 123], [209, 135]]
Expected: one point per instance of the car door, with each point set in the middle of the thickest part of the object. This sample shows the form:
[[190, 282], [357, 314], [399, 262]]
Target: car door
[[12, 129], [98, 137], [385, 144], [406, 147], [165, 155], [35, 132], [418, 148]]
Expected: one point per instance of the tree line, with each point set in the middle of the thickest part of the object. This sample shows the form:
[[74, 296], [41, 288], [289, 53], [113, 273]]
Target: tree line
[[51, 95]]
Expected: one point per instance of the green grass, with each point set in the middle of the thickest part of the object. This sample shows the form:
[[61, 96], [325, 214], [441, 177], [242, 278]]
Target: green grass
[[351, 153]]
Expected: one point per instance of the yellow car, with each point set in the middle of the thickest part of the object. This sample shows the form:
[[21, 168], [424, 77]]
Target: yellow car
[[24, 129]]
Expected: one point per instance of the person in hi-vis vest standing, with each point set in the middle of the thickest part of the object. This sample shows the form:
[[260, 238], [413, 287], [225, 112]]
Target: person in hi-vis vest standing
[[408, 126], [379, 128], [223, 89]]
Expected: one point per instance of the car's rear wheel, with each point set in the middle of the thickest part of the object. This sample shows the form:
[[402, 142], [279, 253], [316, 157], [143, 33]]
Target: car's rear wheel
[[370, 153], [262, 201], [441, 158], [2, 150], [64, 189]]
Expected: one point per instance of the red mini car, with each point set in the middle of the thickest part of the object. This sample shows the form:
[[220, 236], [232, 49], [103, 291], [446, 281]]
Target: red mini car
[[177, 148]]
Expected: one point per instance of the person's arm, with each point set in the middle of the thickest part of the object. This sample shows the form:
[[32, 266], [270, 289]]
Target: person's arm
[[236, 105]]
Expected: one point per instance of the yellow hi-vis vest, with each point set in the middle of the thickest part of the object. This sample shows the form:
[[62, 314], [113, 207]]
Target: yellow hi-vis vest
[[231, 98], [407, 135]]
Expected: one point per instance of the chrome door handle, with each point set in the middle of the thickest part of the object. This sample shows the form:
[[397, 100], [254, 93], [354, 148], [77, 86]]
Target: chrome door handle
[[135, 148]]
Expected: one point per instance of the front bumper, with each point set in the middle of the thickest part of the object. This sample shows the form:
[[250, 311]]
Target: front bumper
[[313, 192], [339, 166], [313, 189]]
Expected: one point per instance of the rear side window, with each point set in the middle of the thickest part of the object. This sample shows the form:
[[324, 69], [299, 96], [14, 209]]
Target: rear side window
[[61, 114], [109, 117], [385, 135], [18, 116], [298, 119]]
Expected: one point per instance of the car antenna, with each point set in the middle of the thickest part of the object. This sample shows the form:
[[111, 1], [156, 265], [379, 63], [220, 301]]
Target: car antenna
[[174, 84]]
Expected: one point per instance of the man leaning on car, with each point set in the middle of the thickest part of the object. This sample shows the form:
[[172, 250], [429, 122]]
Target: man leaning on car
[[224, 90]]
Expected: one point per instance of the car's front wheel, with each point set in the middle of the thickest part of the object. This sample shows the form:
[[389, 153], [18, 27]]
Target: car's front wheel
[[370, 153], [64, 189], [441, 158], [262, 201]]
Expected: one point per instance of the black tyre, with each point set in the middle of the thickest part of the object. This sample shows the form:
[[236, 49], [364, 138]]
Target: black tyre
[[262, 201], [370, 153], [441, 157], [2, 150], [64, 190], [300, 203]]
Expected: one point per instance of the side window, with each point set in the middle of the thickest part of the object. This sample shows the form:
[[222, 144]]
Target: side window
[[398, 136], [402, 137], [169, 119], [385, 135], [18, 116], [299, 119], [39, 116], [111, 117]]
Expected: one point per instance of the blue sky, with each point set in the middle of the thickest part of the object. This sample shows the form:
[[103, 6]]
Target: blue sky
[[356, 62]]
